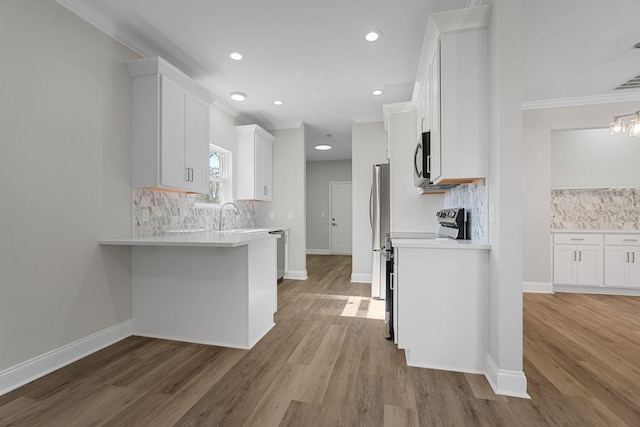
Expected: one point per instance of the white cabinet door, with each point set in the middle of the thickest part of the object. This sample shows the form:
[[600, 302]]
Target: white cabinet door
[[563, 264], [254, 175], [616, 266], [634, 267], [197, 144], [589, 265], [173, 172]]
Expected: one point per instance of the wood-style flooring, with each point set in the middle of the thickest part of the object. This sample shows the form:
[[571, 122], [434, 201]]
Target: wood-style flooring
[[326, 363]]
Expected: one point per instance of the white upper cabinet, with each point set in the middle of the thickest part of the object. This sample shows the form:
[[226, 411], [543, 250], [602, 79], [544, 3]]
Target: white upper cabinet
[[254, 154], [453, 73], [170, 128]]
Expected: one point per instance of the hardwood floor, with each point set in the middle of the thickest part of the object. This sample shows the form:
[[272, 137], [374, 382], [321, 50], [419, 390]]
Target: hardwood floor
[[326, 364]]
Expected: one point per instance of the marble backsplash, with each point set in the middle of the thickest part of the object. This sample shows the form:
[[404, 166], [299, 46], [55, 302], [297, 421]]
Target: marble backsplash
[[157, 212], [595, 209], [472, 197]]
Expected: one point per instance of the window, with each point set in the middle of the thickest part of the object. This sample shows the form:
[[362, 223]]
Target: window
[[219, 177]]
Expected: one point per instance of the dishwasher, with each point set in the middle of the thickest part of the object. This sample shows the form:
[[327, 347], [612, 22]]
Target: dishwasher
[[280, 245]]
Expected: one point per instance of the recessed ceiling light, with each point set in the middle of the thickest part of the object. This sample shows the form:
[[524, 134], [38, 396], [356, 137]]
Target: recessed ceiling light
[[377, 92], [373, 35], [238, 96], [236, 56], [323, 147], [278, 102]]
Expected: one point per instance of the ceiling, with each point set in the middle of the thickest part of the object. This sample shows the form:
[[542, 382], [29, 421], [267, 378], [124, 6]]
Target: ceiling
[[579, 48], [312, 54]]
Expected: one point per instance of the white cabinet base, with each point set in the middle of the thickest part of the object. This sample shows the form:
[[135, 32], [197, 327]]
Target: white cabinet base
[[443, 308], [208, 295]]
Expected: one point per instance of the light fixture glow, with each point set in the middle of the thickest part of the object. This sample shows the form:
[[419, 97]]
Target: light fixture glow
[[238, 96], [278, 102], [373, 35], [236, 56], [634, 128], [618, 126], [377, 92], [323, 147]]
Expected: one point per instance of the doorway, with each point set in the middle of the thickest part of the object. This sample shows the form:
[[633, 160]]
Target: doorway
[[340, 209]]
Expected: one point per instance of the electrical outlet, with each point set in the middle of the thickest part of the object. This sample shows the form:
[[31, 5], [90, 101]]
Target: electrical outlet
[[322, 215], [272, 215], [492, 213], [290, 215]]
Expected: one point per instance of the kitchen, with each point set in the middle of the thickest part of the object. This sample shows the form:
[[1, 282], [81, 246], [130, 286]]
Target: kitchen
[[74, 195]]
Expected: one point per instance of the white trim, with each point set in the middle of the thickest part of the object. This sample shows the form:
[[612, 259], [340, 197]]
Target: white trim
[[318, 252], [360, 277], [600, 290], [537, 287], [505, 382], [25, 372], [296, 275], [627, 96]]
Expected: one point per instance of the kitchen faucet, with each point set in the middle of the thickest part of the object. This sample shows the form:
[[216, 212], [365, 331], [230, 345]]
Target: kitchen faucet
[[222, 206]]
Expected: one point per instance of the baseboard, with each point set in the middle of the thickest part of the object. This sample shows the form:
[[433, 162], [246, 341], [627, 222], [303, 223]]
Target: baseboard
[[318, 252], [296, 275], [537, 287], [25, 372], [505, 382], [601, 290], [360, 278]]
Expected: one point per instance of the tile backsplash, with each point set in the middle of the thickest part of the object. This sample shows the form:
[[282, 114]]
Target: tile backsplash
[[473, 198], [157, 212], [595, 209]]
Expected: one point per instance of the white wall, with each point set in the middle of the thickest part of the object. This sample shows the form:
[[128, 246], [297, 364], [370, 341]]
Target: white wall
[[65, 168], [504, 365], [368, 147], [593, 158], [411, 211], [537, 126], [289, 185], [319, 177]]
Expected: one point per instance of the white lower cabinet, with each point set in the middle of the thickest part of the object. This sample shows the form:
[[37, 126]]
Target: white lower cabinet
[[578, 259], [622, 260], [441, 310]]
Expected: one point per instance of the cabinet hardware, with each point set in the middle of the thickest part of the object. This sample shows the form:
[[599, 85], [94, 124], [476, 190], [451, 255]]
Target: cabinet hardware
[[633, 257], [264, 190], [186, 174], [576, 239], [579, 255], [393, 277], [627, 256], [629, 240], [429, 164], [575, 256]]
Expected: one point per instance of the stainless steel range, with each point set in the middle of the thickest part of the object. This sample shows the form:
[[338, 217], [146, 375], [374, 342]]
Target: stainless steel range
[[453, 223]]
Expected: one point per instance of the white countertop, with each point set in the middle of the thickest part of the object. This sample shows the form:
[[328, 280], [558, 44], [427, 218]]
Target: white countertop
[[231, 238], [432, 241], [582, 231]]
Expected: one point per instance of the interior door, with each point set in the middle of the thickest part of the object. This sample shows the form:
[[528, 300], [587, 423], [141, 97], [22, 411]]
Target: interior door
[[341, 240]]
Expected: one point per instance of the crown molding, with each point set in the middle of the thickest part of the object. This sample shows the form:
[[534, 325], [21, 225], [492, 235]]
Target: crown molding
[[107, 26], [581, 101]]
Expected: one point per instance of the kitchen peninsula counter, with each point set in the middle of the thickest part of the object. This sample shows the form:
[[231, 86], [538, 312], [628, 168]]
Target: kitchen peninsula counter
[[216, 288]]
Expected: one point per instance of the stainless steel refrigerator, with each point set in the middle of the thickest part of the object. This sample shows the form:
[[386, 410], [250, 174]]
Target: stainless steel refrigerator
[[379, 216]]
